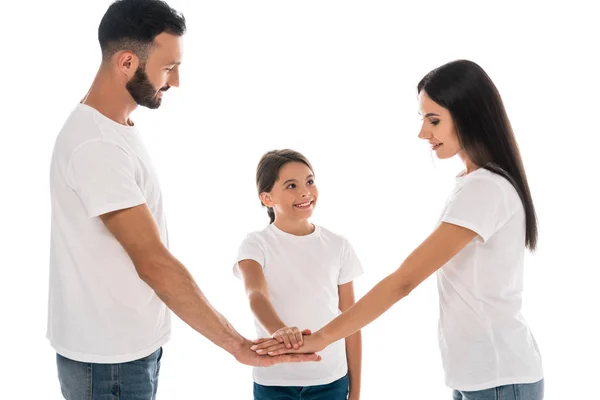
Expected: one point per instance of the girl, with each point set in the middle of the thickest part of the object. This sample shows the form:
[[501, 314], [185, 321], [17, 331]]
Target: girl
[[299, 274], [478, 249]]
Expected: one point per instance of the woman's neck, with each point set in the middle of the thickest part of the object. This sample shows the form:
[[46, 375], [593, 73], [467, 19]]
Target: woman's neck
[[469, 165]]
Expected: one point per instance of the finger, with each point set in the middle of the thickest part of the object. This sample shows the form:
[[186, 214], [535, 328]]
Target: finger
[[299, 338], [293, 338], [277, 351], [275, 347], [279, 347], [277, 336], [307, 332], [263, 345], [286, 340], [299, 357], [288, 358]]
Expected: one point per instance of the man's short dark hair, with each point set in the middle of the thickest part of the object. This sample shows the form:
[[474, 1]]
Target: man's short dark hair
[[133, 25]]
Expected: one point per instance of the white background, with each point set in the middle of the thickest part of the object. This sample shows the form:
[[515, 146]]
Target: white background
[[336, 81]]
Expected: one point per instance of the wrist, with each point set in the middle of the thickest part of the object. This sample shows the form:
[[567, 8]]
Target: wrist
[[234, 345], [274, 328], [321, 339]]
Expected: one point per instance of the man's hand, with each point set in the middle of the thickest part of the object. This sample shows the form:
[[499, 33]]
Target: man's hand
[[246, 356]]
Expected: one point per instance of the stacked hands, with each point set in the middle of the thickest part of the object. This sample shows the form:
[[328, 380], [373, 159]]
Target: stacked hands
[[290, 340]]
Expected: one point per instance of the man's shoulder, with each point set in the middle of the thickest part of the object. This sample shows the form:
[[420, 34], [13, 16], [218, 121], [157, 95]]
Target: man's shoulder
[[79, 128]]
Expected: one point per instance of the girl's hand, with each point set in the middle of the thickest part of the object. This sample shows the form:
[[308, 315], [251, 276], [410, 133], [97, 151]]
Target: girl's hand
[[353, 396], [290, 337]]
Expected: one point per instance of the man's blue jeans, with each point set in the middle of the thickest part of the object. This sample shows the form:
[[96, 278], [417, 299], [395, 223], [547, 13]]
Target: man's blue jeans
[[133, 380]]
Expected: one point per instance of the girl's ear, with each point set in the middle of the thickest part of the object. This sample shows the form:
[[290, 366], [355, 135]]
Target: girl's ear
[[266, 199]]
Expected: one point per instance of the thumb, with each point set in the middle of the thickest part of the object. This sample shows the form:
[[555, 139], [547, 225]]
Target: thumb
[[307, 332]]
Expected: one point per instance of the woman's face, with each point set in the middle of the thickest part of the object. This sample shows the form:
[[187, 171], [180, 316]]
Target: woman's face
[[438, 128]]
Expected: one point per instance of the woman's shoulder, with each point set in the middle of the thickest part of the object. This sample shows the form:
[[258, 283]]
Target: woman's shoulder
[[490, 186]]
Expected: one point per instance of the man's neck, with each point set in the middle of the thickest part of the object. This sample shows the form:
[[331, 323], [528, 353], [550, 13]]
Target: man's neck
[[110, 98]]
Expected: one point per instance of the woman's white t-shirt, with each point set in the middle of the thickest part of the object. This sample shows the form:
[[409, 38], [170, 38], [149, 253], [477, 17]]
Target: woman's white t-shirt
[[484, 340], [303, 274]]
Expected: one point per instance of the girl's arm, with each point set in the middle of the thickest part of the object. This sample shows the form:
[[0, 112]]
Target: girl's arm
[[260, 303], [441, 246], [353, 343]]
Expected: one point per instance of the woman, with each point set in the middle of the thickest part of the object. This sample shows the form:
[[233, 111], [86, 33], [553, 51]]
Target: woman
[[477, 250]]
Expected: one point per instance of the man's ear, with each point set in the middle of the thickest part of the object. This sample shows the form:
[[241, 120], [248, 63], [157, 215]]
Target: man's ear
[[127, 63]]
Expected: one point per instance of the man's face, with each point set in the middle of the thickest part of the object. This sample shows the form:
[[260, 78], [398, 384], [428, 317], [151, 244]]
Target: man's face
[[158, 73]]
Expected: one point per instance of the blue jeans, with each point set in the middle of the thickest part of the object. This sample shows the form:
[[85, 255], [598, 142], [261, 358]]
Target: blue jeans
[[133, 380], [528, 391], [337, 390]]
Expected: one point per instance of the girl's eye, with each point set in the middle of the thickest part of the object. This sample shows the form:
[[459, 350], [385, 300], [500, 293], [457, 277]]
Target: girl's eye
[[311, 182], [434, 122], [291, 186]]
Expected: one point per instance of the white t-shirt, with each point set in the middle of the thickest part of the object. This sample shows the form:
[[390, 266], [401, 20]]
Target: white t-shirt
[[303, 274], [99, 309], [484, 339]]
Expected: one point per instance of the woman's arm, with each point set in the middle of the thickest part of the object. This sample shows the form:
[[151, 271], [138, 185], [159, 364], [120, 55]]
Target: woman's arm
[[439, 248]]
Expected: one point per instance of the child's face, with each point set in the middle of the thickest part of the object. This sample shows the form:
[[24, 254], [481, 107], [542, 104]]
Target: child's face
[[294, 194]]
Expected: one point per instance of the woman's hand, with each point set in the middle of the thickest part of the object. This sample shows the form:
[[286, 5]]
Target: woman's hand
[[311, 344]]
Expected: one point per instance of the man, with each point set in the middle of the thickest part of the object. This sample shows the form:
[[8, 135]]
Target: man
[[112, 278]]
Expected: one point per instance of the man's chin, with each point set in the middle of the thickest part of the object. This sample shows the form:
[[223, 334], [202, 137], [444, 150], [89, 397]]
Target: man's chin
[[153, 105]]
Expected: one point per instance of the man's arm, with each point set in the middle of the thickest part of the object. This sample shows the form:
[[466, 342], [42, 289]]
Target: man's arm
[[136, 230]]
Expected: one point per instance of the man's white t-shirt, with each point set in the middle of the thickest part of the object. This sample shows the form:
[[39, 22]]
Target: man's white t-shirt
[[303, 274], [484, 339], [99, 309]]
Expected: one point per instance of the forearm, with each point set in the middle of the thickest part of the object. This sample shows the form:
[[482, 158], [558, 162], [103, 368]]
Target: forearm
[[378, 300], [265, 312], [175, 286], [354, 358]]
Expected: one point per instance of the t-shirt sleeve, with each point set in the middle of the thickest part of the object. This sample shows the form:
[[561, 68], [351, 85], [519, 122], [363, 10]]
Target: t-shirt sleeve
[[250, 249], [480, 205], [103, 176], [351, 268]]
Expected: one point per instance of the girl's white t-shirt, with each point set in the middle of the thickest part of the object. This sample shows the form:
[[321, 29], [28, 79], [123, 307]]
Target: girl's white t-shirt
[[484, 340], [303, 274]]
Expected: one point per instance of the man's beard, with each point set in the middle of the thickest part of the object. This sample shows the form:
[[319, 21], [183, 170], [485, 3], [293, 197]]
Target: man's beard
[[142, 91]]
